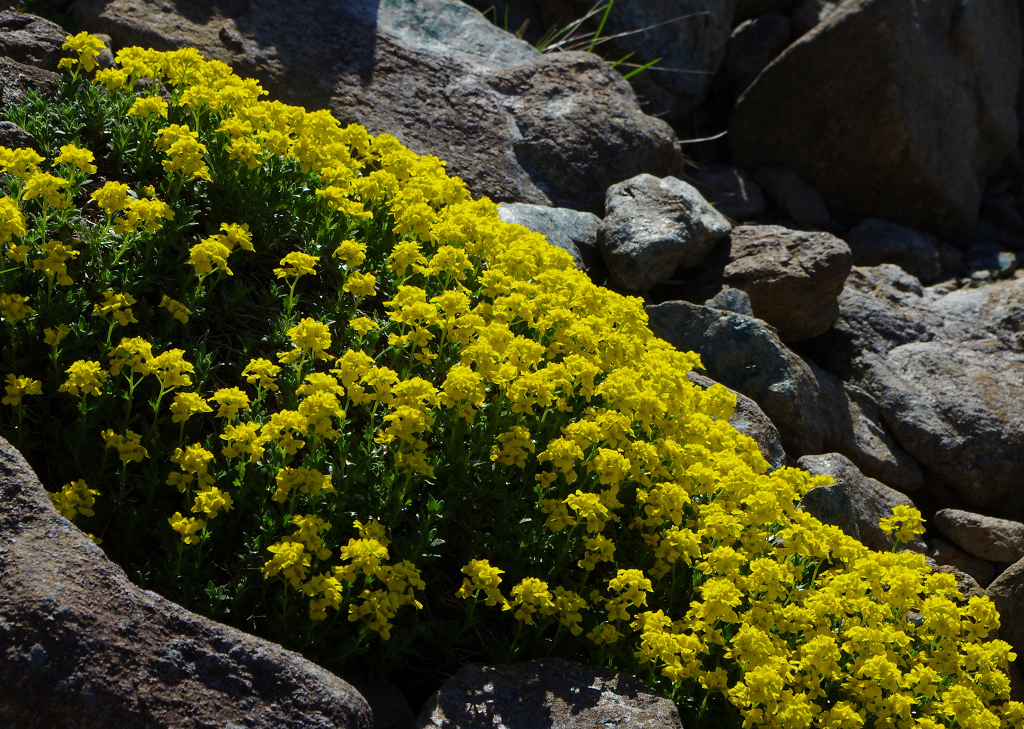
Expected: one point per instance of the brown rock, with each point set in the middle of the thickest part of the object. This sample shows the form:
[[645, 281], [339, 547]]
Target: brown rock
[[549, 692], [966, 585], [945, 553], [793, 278], [17, 79], [996, 540], [31, 40], [872, 500], [1007, 592], [731, 190], [82, 646]]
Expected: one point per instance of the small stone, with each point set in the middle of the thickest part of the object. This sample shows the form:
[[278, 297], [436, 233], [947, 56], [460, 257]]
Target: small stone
[[730, 299], [996, 540], [798, 200]]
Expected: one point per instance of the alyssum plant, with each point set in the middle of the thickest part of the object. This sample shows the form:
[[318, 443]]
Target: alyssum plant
[[294, 377]]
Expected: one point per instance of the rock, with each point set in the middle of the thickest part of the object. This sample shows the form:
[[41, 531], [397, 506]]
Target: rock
[[966, 585], [752, 8], [853, 427], [571, 230], [750, 419], [389, 706], [945, 553], [14, 137], [731, 190], [82, 646], [809, 13], [547, 692], [832, 505], [730, 299], [31, 40], [872, 500], [515, 125], [797, 200], [746, 354], [1007, 592], [950, 257], [909, 133], [653, 226], [995, 540], [751, 47], [873, 242], [998, 263], [684, 34], [17, 79], [793, 278]]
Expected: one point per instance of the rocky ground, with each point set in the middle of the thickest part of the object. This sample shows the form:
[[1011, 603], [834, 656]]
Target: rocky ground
[[848, 257]]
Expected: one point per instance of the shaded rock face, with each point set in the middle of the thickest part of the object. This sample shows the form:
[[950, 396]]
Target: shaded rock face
[[1007, 592], [17, 79], [751, 47], [793, 278], [911, 131], [872, 500], [81, 646], [947, 371], [731, 190], [832, 505], [995, 540], [745, 354], [570, 230], [516, 125], [797, 200], [548, 692], [750, 419], [966, 585], [873, 242], [653, 226], [945, 553]]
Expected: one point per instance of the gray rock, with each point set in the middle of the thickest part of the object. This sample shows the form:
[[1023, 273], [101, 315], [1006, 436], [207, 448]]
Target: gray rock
[[14, 137], [945, 553], [991, 258], [516, 125], [746, 354], [873, 242], [571, 230], [832, 505], [751, 47], [950, 257], [731, 190], [750, 419], [31, 40], [390, 708], [927, 112], [82, 646], [793, 278], [652, 227], [797, 200], [872, 500], [752, 8], [853, 427], [1007, 592], [729, 299], [17, 79], [995, 540], [548, 692], [810, 13]]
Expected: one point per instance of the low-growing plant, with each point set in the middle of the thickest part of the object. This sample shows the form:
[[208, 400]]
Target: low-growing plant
[[295, 378]]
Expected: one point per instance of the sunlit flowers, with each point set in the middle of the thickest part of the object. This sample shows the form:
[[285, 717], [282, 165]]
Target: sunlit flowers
[[75, 498]]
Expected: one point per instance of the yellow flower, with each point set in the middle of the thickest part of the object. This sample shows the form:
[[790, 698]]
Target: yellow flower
[[177, 309], [112, 197], [48, 188], [530, 596], [87, 46], [117, 304], [75, 498], [87, 377], [13, 307], [135, 352], [187, 527], [298, 265], [187, 404], [361, 284], [54, 265], [72, 156], [231, 400], [18, 386], [208, 254], [55, 337], [147, 106], [362, 325], [261, 372], [144, 210], [211, 500], [169, 367], [904, 525], [12, 222], [129, 446], [482, 576], [351, 252]]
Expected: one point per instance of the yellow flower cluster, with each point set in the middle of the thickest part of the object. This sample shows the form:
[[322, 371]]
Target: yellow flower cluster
[[75, 498]]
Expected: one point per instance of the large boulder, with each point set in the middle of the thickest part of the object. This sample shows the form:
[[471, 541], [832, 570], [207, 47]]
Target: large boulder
[[570, 230], [82, 646], [793, 278], [516, 125], [947, 371], [872, 500], [652, 227], [1007, 592], [547, 692], [746, 354], [891, 109], [995, 540], [945, 553], [751, 47], [874, 242], [31, 40]]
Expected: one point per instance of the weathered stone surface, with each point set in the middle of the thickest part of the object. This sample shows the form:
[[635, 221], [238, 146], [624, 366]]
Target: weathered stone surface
[[752, 8], [17, 79], [793, 278], [832, 505], [516, 125], [751, 47], [653, 226], [996, 540], [81, 646], [910, 132], [731, 190], [797, 200], [853, 427], [14, 137], [31, 40], [747, 355], [750, 419], [945, 553], [872, 500], [966, 585], [571, 230], [873, 242], [730, 299], [548, 692], [1007, 592]]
